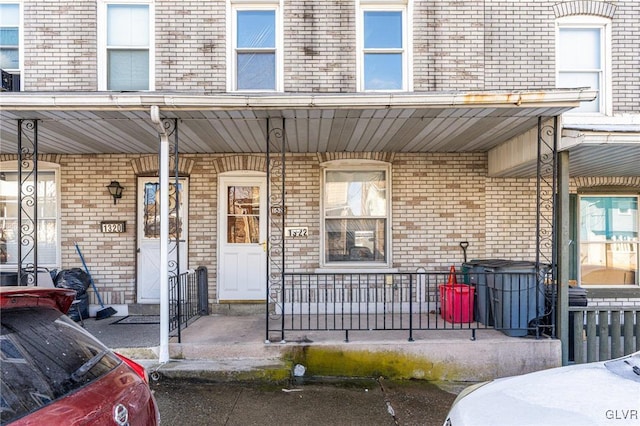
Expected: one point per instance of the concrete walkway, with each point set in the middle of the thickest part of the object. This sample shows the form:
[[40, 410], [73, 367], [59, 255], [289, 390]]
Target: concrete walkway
[[234, 347]]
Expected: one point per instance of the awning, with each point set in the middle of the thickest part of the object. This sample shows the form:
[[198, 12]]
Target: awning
[[107, 122]]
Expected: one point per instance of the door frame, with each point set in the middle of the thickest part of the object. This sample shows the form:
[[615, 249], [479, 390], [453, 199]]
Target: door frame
[[237, 177]]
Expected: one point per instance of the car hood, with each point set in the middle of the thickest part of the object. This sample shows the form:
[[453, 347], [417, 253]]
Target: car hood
[[585, 394]]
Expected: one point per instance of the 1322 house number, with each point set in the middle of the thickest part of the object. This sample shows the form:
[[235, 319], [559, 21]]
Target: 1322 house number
[[297, 232]]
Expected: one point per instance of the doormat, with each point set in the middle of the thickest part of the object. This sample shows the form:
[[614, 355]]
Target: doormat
[[138, 319]]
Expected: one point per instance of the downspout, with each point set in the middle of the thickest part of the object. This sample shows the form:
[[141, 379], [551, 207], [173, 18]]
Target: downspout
[[163, 355]]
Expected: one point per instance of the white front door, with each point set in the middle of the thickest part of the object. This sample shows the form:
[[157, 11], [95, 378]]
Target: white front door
[[149, 235], [242, 233]]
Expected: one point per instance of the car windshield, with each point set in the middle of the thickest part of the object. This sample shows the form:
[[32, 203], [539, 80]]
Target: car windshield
[[45, 356], [627, 367]]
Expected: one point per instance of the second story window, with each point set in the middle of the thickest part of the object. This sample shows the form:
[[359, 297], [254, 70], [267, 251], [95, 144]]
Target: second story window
[[583, 58], [256, 61], [383, 48], [10, 46], [127, 55]]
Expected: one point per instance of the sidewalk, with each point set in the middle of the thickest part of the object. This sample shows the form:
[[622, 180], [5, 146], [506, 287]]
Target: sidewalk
[[223, 347]]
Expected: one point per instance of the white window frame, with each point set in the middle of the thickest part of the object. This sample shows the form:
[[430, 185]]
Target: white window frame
[[11, 167], [356, 165], [233, 6], [404, 6], [19, 70], [102, 40], [604, 24], [635, 242]]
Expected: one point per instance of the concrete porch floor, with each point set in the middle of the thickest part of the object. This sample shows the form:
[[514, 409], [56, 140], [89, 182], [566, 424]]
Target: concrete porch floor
[[236, 347]]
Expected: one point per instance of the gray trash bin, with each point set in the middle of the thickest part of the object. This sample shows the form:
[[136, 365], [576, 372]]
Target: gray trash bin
[[475, 275], [507, 293]]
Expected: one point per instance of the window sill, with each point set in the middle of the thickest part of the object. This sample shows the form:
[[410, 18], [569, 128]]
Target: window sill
[[356, 270]]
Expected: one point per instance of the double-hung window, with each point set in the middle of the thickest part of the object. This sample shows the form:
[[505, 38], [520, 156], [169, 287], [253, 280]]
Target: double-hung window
[[383, 38], [127, 46], [609, 239], [356, 216], [45, 210], [10, 46], [257, 61], [583, 60]]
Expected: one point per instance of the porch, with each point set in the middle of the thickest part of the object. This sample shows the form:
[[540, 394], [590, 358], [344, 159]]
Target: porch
[[421, 325], [229, 347]]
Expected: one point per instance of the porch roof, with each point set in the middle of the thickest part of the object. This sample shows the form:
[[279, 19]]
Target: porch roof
[[110, 122]]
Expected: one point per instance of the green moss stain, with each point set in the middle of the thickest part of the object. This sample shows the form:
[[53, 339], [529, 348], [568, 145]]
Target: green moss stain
[[323, 361]]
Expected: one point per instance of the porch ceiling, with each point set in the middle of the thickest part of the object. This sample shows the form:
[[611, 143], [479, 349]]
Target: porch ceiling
[[95, 123]]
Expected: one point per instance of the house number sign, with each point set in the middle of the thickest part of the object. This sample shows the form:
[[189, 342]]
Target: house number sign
[[113, 227], [299, 232]]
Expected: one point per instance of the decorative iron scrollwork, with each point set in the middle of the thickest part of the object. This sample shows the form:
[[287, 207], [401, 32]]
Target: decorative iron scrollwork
[[275, 249], [28, 200], [175, 222], [546, 192]]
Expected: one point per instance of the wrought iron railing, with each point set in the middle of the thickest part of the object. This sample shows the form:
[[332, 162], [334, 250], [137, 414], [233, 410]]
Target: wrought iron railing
[[186, 293], [603, 333], [514, 303]]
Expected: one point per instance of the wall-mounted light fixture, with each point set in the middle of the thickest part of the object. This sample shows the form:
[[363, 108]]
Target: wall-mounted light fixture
[[115, 190]]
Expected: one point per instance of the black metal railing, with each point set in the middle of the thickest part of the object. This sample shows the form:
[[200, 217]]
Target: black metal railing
[[603, 333], [512, 302], [186, 293]]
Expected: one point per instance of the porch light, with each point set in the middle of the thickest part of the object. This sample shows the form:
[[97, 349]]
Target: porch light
[[115, 190]]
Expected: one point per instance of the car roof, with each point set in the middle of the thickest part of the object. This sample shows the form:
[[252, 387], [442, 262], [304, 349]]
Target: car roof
[[30, 296]]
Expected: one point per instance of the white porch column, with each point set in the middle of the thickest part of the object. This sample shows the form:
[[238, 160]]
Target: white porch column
[[163, 355]]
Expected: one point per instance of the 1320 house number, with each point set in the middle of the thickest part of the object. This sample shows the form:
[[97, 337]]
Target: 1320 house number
[[296, 232], [113, 227]]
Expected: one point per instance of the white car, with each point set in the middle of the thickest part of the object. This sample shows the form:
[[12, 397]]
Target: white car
[[597, 393]]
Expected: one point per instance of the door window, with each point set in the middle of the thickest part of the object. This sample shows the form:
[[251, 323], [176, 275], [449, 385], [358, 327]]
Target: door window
[[152, 211], [243, 214]]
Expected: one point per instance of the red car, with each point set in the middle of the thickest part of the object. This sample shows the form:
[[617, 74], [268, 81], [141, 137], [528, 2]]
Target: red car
[[55, 372]]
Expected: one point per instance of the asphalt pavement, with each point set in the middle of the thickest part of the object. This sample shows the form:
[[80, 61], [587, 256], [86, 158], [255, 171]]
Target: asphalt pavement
[[353, 402]]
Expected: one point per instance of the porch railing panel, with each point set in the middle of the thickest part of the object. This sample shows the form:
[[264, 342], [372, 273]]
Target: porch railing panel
[[603, 333], [185, 299], [511, 302]]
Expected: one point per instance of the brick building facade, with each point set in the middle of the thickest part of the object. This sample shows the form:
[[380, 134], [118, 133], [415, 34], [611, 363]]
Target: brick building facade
[[441, 194]]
